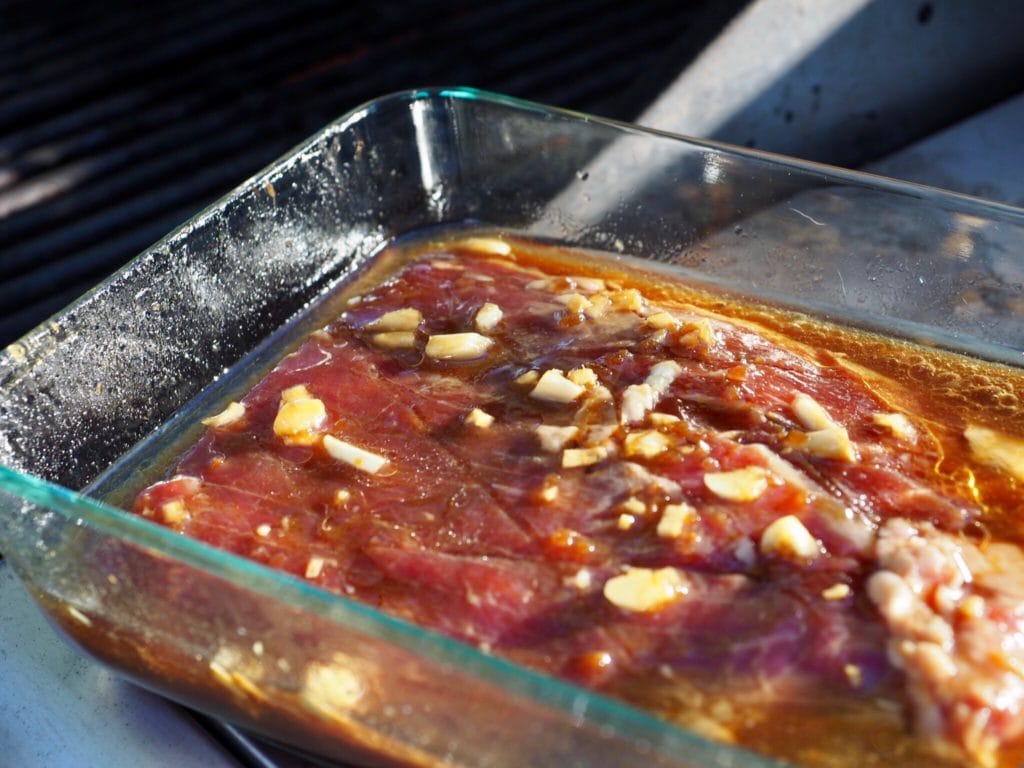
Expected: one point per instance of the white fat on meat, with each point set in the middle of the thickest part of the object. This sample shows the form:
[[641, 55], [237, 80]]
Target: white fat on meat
[[956, 617]]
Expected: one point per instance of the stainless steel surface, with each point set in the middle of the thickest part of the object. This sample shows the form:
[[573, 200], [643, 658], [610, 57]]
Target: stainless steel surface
[[845, 81], [981, 156], [60, 710]]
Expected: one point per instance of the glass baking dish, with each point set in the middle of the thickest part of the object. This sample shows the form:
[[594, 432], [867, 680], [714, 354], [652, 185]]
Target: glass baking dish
[[94, 401]]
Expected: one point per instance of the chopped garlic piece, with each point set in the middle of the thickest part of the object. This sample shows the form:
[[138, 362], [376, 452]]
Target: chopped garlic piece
[[488, 245], [553, 439], [550, 493], [457, 346], [479, 418], [662, 375], [662, 419], [674, 520], [527, 379], [787, 537], [633, 506], [599, 306], [583, 376], [78, 616], [997, 450], [298, 392], [643, 589], [332, 690], [836, 591], [898, 424], [407, 319], [574, 302], [853, 674], [174, 512], [299, 416], [229, 415], [366, 461], [663, 321], [637, 399], [583, 457], [582, 579], [698, 333], [625, 521], [341, 496], [659, 337], [646, 444], [588, 284], [488, 317], [830, 443], [744, 484], [597, 434], [554, 387], [263, 530], [314, 567], [972, 607], [395, 339], [628, 299], [810, 413]]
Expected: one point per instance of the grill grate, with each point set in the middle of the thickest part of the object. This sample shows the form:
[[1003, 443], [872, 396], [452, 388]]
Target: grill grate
[[120, 120]]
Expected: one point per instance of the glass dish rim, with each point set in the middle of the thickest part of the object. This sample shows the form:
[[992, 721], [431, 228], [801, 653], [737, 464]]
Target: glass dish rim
[[620, 718]]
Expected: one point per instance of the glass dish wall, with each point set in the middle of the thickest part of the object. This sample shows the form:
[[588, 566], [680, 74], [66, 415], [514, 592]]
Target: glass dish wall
[[136, 359]]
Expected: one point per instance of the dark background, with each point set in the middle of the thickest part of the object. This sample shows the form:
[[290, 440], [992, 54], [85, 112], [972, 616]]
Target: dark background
[[120, 120]]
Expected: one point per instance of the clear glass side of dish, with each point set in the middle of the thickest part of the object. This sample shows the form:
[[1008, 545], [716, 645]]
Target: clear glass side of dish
[[216, 301]]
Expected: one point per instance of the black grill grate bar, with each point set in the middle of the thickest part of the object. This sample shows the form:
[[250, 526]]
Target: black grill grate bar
[[542, 64], [148, 107], [85, 41], [97, 162], [122, 226], [171, 52], [155, 161]]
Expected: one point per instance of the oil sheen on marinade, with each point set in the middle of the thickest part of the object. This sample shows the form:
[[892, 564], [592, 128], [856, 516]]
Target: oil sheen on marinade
[[778, 533]]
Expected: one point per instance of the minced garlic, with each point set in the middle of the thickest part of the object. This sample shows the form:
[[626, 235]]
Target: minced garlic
[[662, 321], [479, 418], [643, 589], [314, 567], [674, 520], [633, 506], [582, 376], [836, 591], [810, 413], [363, 460], [231, 414], [299, 417], [488, 317], [527, 379], [829, 443], [174, 512], [583, 457], [788, 537], [457, 346], [394, 339], [897, 424], [996, 449], [407, 319], [554, 387], [646, 444], [744, 484]]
